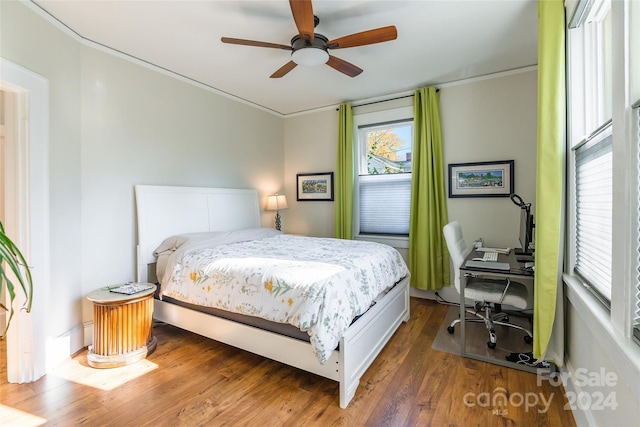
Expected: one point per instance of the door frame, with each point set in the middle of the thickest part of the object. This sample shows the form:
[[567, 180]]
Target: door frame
[[27, 216]]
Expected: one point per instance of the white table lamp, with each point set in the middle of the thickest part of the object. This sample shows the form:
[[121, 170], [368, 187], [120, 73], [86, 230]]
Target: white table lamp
[[277, 202]]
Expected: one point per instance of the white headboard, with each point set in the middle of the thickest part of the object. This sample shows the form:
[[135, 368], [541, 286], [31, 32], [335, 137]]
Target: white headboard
[[165, 211]]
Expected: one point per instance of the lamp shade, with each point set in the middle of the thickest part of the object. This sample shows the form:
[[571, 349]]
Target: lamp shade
[[310, 56], [277, 202]]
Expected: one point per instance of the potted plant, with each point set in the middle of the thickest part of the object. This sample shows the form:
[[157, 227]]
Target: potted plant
[[12, 258]]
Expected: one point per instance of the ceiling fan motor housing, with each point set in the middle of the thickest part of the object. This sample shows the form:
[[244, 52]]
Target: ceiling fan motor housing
[[309, 53]]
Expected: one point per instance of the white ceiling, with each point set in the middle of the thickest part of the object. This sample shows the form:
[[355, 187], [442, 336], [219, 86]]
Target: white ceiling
[[439, 41]]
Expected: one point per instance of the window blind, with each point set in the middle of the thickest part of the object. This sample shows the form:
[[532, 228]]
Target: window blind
[[594, 198], [384, 203]]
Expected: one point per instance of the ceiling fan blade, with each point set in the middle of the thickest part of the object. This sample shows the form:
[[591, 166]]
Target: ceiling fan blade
[[284, 70], [343, 66], [379, 35], [302, 11], [254, 43]]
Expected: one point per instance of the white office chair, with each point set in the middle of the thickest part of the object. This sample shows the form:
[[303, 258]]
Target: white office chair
[[484, 291]]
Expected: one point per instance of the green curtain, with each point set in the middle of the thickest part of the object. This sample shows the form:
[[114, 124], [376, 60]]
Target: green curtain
[[428, 254], [344, 175], [550, 177]]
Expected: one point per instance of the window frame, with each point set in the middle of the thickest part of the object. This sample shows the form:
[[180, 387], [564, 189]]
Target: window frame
[[392, 115]]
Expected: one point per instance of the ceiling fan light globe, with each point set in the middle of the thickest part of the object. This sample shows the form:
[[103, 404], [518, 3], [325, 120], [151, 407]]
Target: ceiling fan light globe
[[310, 56]]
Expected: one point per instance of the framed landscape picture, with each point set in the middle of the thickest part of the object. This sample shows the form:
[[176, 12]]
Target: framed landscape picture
[[481, 179], [314, 186]]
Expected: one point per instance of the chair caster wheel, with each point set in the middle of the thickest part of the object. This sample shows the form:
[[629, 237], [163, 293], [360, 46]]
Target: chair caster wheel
[[491, 344], [528, 339], [450, 329]]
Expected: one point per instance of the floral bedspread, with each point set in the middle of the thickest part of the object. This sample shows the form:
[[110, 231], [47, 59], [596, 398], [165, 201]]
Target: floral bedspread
[[319, 285]]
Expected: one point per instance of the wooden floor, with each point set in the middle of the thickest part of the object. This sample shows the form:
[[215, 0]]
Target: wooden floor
[[191, 381]]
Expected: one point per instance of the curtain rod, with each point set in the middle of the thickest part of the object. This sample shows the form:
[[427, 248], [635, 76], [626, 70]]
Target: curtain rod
[[383, 100]]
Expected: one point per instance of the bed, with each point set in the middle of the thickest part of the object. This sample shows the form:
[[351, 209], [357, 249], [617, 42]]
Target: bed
[[169, 214]]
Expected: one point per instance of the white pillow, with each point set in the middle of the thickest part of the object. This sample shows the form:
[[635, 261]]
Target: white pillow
[[170, 244]]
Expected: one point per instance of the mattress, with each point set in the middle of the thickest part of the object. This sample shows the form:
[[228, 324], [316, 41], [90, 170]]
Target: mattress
[[257, 322]]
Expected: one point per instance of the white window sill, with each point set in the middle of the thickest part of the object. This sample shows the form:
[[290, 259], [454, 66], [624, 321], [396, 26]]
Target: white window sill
[[398, 242]]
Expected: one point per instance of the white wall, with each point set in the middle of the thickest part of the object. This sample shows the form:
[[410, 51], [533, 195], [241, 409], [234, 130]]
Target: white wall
[[114, 124], [141, 127], [310, 145], [488, 120], [601, 364], [30, 42]]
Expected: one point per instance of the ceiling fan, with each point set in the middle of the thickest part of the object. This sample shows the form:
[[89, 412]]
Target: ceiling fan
[[310, 48]]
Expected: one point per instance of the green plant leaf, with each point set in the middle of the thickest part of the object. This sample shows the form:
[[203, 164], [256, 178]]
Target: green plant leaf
[[12, 296], [11, 256], [14, 259]]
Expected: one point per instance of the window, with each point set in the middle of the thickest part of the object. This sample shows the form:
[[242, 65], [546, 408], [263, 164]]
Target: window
[[590, 138], [603, 58], [384, 173]]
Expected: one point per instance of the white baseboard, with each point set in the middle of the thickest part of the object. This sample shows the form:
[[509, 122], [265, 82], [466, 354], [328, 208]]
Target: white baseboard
[[88, 333], [64, 346]]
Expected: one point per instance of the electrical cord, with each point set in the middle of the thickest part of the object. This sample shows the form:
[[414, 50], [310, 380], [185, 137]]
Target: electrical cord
[[443, 301]]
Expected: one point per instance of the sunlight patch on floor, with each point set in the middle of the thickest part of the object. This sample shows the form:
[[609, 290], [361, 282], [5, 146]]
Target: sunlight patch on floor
[[15, 417], [103, 379]]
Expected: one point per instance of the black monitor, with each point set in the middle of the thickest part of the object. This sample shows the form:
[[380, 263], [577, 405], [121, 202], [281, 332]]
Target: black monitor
[[526, 226], [526, 231]]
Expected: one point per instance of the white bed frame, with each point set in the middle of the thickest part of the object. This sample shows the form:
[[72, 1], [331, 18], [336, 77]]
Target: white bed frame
[[165, 211]]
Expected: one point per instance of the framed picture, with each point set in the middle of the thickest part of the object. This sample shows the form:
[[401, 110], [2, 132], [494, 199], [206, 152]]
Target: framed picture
[[481, 179], [314, 186]]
